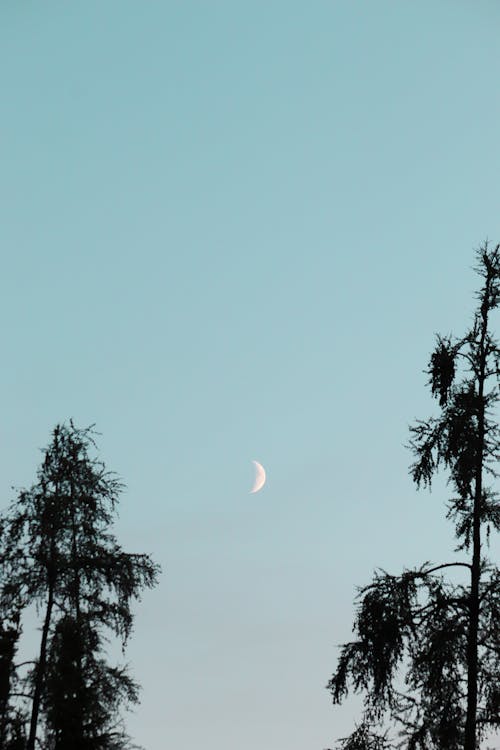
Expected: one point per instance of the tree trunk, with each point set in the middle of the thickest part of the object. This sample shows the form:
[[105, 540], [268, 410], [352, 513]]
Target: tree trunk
[[472, 644], [40, 671], [472, 651]]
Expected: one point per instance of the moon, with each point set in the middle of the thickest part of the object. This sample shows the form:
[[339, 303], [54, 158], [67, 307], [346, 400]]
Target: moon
[[260, 477]]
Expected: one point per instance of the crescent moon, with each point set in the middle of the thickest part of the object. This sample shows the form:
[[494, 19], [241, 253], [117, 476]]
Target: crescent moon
[[260, 477]]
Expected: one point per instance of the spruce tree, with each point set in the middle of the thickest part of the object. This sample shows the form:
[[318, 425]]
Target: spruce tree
[[65, 560], [446, 637]]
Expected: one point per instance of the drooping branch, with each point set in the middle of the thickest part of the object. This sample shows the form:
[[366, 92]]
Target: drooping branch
[[439, 567]]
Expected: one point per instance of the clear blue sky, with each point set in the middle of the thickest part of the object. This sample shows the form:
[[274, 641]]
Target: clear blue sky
[[229, 231]]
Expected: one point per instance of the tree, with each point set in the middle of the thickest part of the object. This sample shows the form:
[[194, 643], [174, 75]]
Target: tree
[[64, 559], [447, 636], [12, 736], [12, 719], [83, 693]]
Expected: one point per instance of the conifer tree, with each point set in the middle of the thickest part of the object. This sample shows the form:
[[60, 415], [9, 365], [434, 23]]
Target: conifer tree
[[12, 718], [65, 560], [446, 636], [83, 693]]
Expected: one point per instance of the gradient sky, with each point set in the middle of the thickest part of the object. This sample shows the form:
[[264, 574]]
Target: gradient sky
[[229, 231]]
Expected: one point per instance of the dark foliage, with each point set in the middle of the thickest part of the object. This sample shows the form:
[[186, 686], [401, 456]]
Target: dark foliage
[[364, 739], [444, 639], [62, 557], [82, 693]]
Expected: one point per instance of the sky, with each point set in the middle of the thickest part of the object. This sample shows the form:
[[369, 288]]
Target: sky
[[229, 231]]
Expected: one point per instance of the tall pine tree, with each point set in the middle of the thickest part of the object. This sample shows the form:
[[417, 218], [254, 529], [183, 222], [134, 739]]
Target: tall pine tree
[[65, 560], [447, 636]]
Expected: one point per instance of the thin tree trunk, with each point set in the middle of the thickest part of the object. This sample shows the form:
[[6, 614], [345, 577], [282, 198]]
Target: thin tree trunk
[[40, 671], [472, 640], [472, 650]]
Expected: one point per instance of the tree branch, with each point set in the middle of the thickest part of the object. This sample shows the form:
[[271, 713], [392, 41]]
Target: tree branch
[[424, 573]]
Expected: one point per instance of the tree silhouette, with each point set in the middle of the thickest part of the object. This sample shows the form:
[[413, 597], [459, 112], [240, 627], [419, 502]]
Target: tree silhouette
[[12, 734], [12, 718], [447, 636], [83, 693], [63, 558]]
